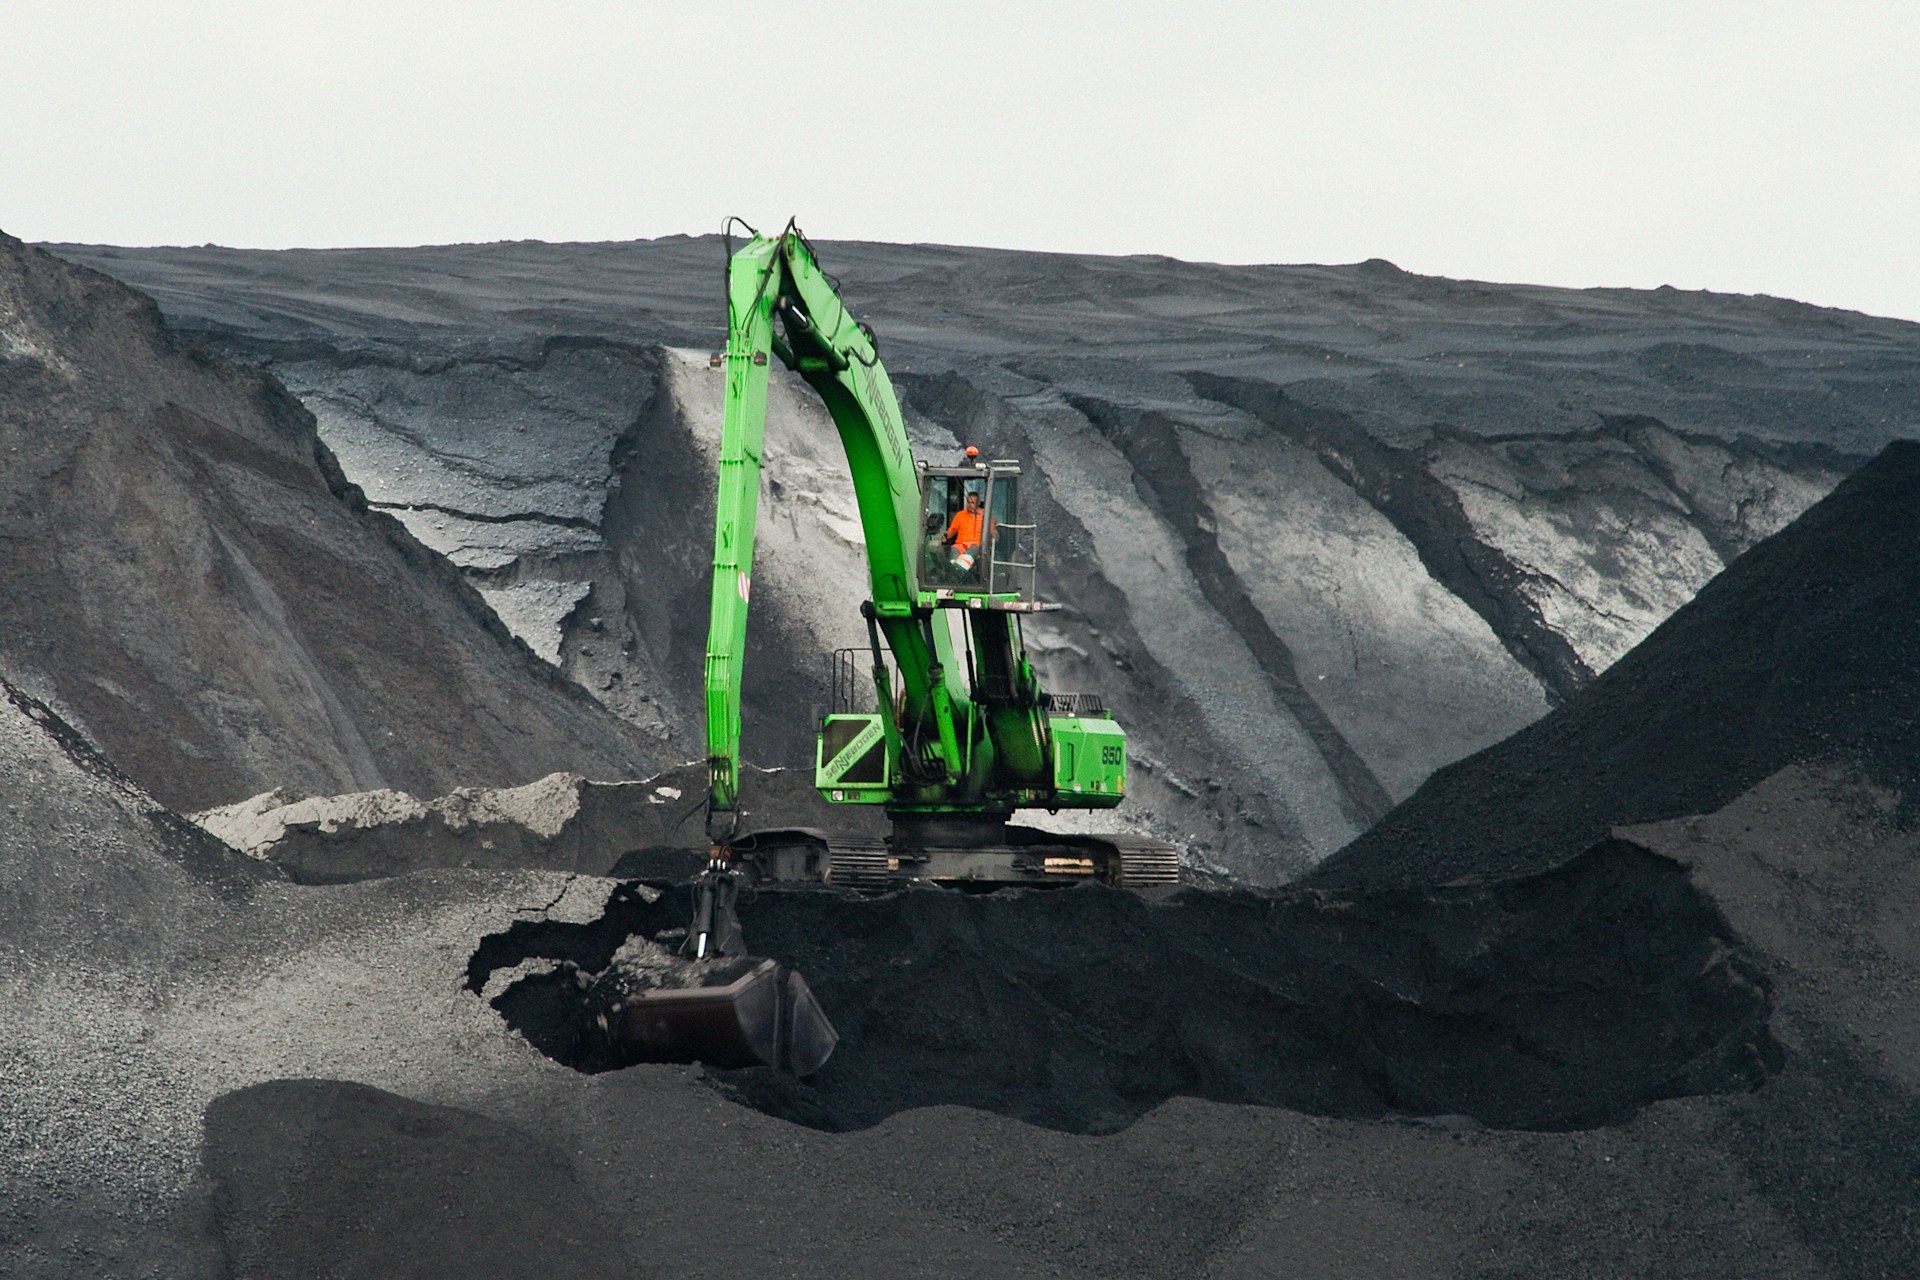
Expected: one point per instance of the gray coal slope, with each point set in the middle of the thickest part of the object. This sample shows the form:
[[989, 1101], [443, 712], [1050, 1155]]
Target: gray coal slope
[[152, 970], [1816, 866], [1806, 648], [208, 1070], [191, 580], [1433, 510]]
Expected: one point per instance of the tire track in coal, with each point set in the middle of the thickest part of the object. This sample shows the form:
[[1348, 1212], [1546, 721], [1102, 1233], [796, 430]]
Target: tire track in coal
[[1397, 484], [1163, 476]]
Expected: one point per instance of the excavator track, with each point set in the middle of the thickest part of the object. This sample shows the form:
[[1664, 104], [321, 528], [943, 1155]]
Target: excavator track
[[857, 863], [1030, 858], [1145, 862]]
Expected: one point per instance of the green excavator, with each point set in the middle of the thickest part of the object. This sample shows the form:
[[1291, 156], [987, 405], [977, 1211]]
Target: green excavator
[[947, 726]]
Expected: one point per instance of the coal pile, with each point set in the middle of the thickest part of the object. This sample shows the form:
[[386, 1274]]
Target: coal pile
[[1561, 1000], [1401, 517], [327, 1177], [1806, 648], [1686, 1050], [191, 579]]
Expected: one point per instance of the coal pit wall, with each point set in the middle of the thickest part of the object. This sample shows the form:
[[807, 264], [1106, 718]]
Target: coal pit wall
[[1559, 1000]]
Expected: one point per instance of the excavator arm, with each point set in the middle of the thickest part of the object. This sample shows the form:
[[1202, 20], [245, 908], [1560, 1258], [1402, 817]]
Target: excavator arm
[[780, 277], [753, 279]]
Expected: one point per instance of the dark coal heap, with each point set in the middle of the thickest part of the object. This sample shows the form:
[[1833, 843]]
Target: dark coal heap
[[192, 578], [358, 1163], [1807, 648], [1553, 1001]]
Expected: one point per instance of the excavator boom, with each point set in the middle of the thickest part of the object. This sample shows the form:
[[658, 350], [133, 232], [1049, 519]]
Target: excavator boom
[[837, 356]]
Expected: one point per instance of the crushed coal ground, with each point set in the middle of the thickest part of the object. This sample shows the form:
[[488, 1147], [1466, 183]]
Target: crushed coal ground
[[1804, 649], [1560, 1000], [327, 1178]]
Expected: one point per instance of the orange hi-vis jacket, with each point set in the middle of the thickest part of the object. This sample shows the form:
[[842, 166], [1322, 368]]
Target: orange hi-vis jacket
[[964, 528]]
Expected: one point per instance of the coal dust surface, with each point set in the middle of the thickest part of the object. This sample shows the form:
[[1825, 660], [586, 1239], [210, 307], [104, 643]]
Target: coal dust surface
[[1552, 1001], [328, 1178]]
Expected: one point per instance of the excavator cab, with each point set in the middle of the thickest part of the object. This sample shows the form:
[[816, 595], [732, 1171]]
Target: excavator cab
[[972, 538]]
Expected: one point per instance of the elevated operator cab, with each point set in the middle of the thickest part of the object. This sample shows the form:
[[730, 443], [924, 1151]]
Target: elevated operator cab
[[975, 551]]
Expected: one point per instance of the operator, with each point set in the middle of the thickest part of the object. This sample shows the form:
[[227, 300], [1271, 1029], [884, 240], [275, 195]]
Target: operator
[[963, 532]]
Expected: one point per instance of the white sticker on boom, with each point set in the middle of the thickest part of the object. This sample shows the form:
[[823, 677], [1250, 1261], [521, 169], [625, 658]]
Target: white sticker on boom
[[746, 585]]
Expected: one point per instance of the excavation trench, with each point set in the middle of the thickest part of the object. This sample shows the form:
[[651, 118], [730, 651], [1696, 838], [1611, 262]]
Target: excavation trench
[[1559, 1000]]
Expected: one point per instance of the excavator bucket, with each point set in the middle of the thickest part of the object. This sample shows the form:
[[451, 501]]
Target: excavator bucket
[[736, 1012], [713, 1002]]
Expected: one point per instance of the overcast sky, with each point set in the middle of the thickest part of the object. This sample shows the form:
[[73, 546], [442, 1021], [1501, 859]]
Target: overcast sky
[[1756, 147]]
